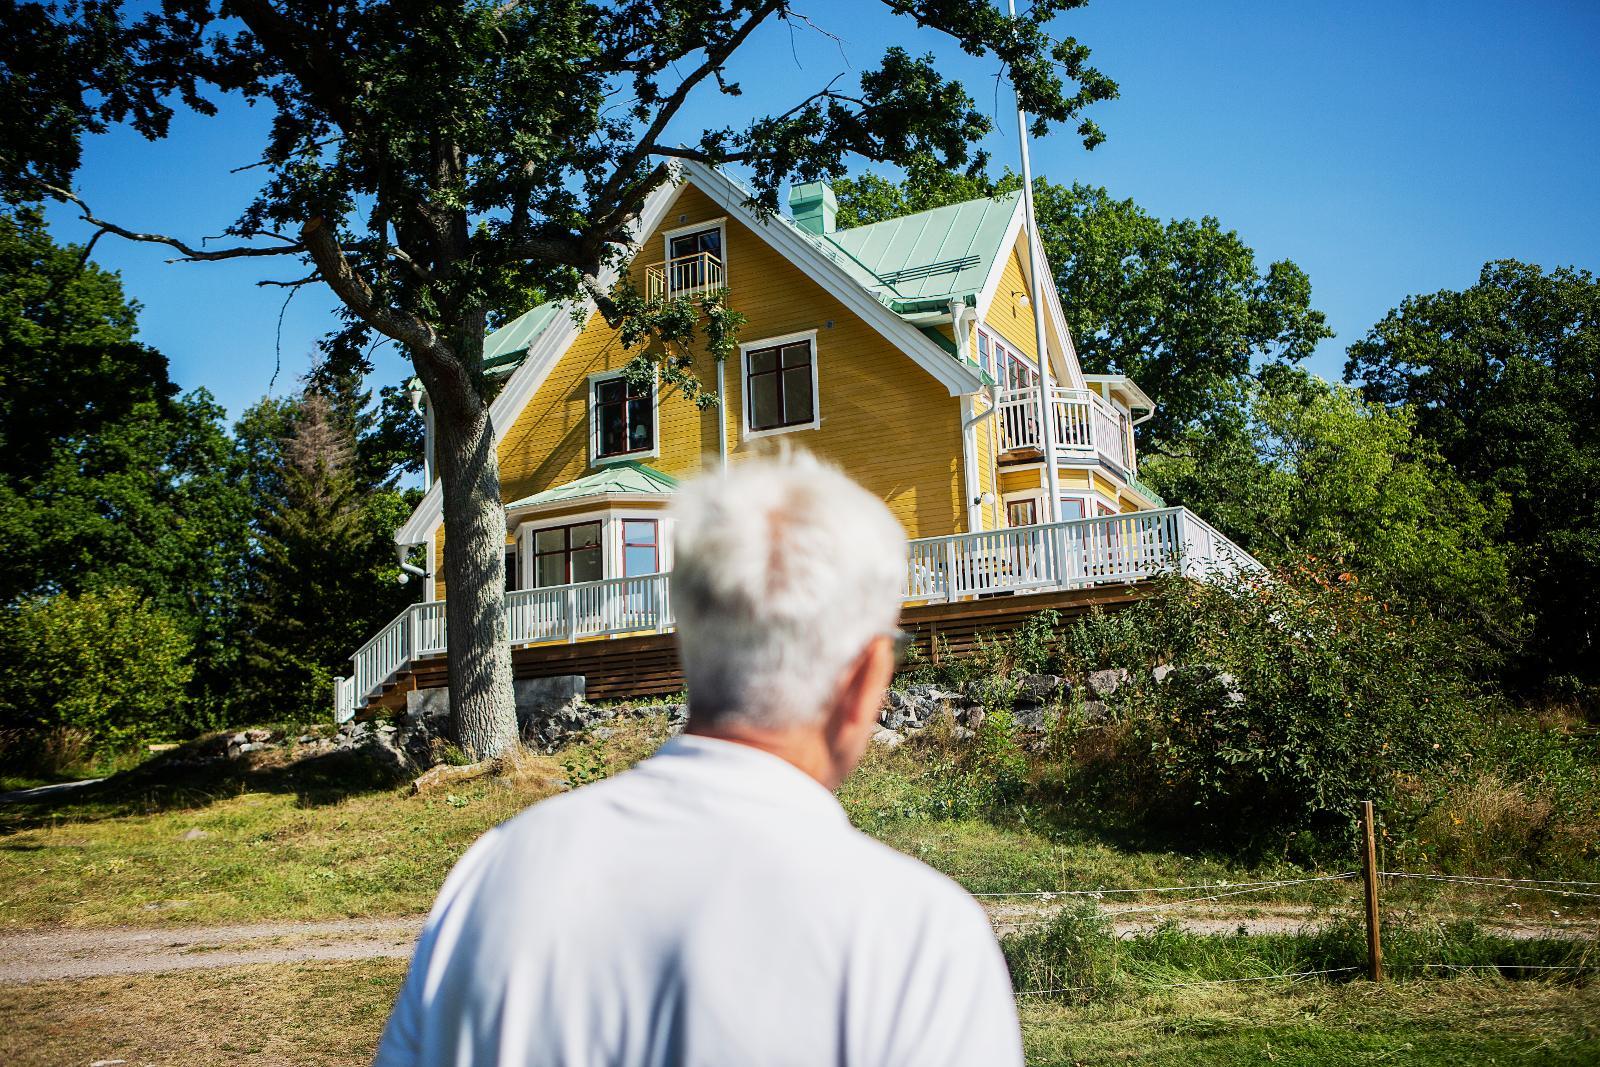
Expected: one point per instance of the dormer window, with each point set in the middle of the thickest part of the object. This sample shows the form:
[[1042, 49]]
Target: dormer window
[[695, 263], [622, 417]]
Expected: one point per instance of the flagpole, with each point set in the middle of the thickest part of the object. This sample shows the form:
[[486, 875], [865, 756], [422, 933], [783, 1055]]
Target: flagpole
[[1047, 424]]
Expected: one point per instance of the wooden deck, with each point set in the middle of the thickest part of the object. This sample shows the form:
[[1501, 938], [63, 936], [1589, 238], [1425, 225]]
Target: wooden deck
[[622, 668]]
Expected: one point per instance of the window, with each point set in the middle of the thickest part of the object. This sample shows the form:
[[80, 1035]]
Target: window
[[624, 417], [565, 554], [511, 567], [1007, 366], [780, 385], [641, 548], [1074, 507], [689, 258], [1021, 513]]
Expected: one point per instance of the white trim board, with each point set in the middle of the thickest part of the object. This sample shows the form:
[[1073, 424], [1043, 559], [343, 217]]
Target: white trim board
[[745, 348]]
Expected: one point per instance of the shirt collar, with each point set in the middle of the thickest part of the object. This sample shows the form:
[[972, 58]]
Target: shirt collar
[[716, 765]]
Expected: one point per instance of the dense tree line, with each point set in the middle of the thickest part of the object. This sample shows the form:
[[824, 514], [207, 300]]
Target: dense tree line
[[163, 573]]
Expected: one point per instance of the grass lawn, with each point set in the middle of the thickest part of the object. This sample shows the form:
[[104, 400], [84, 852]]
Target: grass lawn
[[320, 838], [331, 1013]]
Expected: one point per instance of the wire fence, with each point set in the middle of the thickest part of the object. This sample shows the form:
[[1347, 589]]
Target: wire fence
[[1203, 892]]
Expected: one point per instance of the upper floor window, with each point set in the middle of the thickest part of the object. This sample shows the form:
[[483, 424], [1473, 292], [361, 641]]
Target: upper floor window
[[780, 384], [1008, 367], [695, 263], [623, 416]]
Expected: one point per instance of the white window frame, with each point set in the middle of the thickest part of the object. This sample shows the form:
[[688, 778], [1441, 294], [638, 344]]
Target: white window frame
[[653, 452], [1085, 498], [1031, 496], [744, 384], [719, 224], [610, 519]]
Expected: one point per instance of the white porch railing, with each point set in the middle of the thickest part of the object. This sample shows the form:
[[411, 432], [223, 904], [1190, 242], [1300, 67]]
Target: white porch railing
[[1063, 555], [1085, 423], [688, 275]]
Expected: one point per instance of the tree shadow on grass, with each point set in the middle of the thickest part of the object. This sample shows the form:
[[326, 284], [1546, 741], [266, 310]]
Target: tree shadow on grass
[[193, 776]]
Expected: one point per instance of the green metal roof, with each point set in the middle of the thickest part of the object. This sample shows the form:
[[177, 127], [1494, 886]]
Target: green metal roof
[[504, 348], [934, 255], [630, 477]]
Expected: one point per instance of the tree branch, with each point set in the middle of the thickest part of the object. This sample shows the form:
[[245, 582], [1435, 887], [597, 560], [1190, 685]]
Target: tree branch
[[334, 266], [190, 253]]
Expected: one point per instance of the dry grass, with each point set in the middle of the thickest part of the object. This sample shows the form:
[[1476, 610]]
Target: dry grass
[[313, 1015], [317, 1015]]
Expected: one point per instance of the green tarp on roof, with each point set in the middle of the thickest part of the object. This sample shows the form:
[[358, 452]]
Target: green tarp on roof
[[632, 478]]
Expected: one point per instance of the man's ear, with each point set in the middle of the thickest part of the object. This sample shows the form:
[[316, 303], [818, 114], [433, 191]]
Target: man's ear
[[861, 694]]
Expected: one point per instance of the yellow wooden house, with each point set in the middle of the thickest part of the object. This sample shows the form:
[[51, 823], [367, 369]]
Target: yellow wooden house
[[903, 351]]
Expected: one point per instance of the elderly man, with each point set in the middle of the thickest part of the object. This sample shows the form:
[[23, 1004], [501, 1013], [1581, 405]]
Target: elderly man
[[713, 905]]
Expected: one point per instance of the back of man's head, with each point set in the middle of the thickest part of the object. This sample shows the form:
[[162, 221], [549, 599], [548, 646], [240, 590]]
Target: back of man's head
[[784, 570]]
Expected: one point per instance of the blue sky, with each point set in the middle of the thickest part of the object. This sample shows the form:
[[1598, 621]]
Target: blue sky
[[1389, 148]]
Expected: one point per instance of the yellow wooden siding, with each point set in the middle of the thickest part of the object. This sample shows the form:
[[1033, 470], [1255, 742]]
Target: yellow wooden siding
[[1018, 481], [983, 453], [885, 421], [1007, 316]]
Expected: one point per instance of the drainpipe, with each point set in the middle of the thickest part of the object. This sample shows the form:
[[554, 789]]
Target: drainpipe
[[722, 414]]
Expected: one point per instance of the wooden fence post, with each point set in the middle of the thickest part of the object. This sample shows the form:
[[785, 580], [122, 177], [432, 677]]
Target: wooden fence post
[[1369, 876]]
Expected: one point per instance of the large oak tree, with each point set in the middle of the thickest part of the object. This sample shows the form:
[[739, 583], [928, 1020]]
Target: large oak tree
[[436, 162]]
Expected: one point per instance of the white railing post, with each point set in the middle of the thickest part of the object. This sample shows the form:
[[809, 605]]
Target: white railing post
[[950, 570], [570, 606]]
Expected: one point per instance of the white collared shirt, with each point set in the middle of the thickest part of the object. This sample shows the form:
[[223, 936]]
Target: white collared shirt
[[711, 906]]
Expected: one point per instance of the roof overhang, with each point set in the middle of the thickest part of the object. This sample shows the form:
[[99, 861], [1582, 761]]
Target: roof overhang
[[1135, 398]]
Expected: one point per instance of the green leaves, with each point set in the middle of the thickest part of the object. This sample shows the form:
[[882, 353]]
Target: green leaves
[[1502, 380]]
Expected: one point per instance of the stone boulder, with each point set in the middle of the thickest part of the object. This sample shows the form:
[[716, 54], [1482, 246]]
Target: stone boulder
[[1105, 683]]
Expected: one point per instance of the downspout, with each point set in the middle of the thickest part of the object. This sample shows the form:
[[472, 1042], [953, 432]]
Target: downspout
[[722, 415], [959, 319]]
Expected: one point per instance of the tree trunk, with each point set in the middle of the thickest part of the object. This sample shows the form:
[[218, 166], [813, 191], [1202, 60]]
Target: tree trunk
[[483, 714]]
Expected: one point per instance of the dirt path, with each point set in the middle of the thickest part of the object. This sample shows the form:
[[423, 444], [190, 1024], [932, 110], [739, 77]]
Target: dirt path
[[43, 955]]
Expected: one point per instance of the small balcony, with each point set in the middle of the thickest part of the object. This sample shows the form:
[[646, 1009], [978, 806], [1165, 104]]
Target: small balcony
[[691, 275], [1085, 425]]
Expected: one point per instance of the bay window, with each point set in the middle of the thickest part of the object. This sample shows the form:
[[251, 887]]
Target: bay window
[[566, 554]]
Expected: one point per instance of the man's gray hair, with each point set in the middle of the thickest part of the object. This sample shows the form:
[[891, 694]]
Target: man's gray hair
[[783, 570]]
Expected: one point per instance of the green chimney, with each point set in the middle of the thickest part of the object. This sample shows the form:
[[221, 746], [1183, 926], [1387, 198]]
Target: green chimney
[[814, 207]]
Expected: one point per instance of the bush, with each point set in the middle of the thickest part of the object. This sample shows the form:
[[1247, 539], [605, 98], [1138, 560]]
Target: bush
[[1074, 956], [107, 666], [1286, 704]]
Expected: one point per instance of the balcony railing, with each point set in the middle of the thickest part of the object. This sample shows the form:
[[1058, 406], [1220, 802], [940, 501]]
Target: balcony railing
[[689, 275], [1062, 555], [1086, 425]]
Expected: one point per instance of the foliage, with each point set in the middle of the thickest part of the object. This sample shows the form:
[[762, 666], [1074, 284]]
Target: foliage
[[108, 664], [323, 569], [109, 479], [1073, 955], [1282, 706], [1312, 473], [1180, 306], [1501, 378]]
